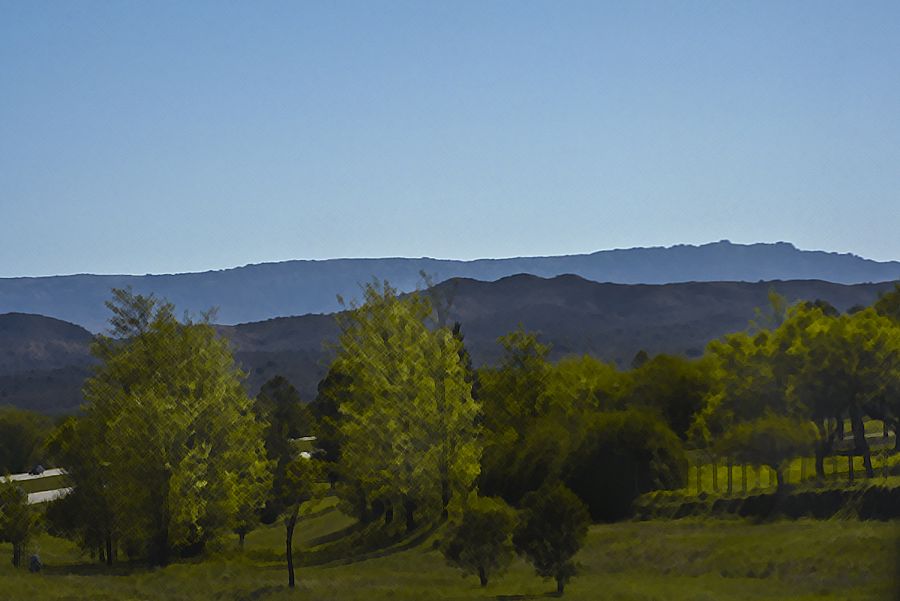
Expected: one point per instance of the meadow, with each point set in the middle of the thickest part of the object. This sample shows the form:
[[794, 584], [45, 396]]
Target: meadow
[[640, 561]]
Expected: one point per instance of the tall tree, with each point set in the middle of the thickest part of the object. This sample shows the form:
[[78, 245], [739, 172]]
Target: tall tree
[[408, 420], [181, 443]]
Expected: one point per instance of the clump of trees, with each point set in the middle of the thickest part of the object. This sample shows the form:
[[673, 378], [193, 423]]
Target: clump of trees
[[19, 522], [168, 449]]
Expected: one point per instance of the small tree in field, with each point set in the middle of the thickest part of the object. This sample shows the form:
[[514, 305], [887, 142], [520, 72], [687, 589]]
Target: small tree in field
[[296, 488], [772, 441], [551, 531], [479, 542], [18, 520]]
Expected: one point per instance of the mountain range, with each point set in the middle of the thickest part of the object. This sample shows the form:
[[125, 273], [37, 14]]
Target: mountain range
[[269, 290], [43, 360]]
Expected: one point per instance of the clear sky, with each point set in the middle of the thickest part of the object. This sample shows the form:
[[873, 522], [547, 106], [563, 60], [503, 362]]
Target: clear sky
[[157, 137]]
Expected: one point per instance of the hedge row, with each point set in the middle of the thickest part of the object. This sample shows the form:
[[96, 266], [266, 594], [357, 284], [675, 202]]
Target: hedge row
[[868, 502]]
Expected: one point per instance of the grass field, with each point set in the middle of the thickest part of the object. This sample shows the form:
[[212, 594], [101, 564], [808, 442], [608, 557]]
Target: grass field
[[639, 561]]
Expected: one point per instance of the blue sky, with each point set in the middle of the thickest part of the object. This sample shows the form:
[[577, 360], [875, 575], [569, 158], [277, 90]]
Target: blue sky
[[140, 137]]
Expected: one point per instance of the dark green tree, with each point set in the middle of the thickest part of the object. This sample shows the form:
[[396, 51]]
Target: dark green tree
[[19, 521], [22, 437], [552, 528], [479, 541], [622, 455]]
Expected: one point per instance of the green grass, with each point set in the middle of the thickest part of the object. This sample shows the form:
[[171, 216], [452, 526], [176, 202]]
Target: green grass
[[801, 469], [636, 561], [42, 484]]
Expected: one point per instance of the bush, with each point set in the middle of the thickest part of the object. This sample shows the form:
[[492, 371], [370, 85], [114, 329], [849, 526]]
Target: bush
[[479, 542], [622, 455], [552, 529]]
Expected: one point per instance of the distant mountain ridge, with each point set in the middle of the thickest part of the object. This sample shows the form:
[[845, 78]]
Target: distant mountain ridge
[[268, 290], [574, 315]]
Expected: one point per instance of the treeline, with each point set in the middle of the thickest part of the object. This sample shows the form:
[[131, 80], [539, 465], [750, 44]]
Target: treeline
[[169, 453]]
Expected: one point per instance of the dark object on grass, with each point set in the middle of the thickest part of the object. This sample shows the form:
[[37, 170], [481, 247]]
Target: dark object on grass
[[34, 564]]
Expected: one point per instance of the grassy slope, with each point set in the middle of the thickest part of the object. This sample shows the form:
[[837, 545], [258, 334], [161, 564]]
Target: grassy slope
[[677, 560]]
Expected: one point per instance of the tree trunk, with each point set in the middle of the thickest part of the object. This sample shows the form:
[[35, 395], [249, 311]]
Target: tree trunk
[[409, 508], [779, 481], [715, 474], [482, 576], [289, 542], [820, 461], [850, 467], [560, 585], [744, 478], [17, 554], [859, 440], [109, 549], [699, 478], [241, 536], [840, 428], [730, 466], [388, 512], [897, 436]]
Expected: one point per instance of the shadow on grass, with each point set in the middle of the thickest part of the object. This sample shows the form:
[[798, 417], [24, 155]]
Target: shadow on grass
[[96, 569]]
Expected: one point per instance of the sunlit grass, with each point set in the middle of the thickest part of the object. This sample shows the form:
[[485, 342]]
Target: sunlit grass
[[678, 560]]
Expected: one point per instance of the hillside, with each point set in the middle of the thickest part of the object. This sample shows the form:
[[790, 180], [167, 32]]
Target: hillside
[[574, 315], [264, 291]]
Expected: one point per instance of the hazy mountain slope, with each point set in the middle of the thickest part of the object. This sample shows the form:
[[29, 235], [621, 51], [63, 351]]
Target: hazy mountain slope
[[574, 315], [258, 292]]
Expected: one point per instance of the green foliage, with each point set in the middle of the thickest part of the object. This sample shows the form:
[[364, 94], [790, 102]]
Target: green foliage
[[169, 438], [673, 386], [479, 541], [520, 463], [285, 417], [578, 384], [18, 521], [22, 437], [888, 304], [772, 440], [622, 455], [408, 422], [551, 530], [514, 392]]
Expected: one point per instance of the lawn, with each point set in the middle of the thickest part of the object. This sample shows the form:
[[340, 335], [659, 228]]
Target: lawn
[[639, 561]]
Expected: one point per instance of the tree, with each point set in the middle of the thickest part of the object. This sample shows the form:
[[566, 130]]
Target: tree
[[847, 365], [18, 520], [181, 448], [408, 420], [479, 541], [552, 529], [524, 462], [673, 386], [296, 488], [772, 441], [86, 514], [22, 436], [285, 417], [622, 455], [578, 384]]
